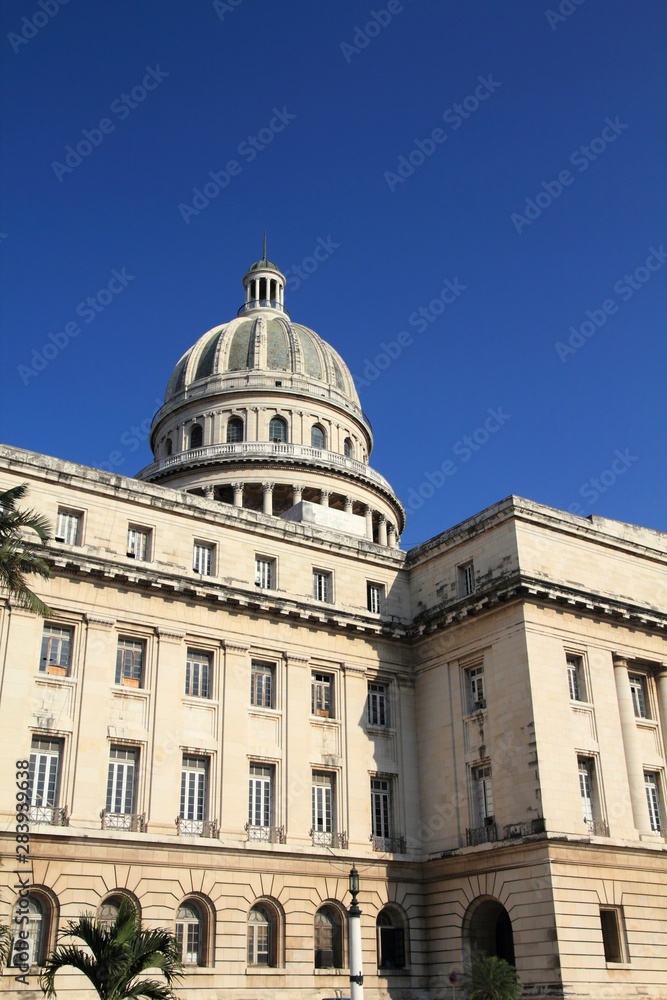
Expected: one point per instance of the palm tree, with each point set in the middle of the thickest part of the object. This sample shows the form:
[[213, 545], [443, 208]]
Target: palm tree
[[118, 953], [5, 941], [17, 556], [492, 978]]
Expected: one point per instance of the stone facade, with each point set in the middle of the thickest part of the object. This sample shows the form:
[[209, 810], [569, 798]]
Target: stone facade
[[229, 708]]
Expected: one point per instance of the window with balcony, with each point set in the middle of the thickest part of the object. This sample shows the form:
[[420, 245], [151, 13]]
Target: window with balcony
[[262, 676], [322, 585], [381, 809], [482, 791], [139, 543], [56, 654], [265, 572], [203, 561], [374, 597], [575, 677], [653, 799], [321, 695], [590, 797], [44, 779], [130, 662], [260, 797], [466, 578], [639, 692], [119, 813], [378, 704], [475, 688], [198, 674], [194, 782], [68, 526], [322, 801]]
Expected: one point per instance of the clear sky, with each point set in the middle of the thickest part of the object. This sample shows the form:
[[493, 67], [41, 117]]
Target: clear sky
[[485, 183]]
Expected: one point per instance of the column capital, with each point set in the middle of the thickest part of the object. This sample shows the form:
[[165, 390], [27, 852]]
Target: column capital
[[268, 487], [619, 661]]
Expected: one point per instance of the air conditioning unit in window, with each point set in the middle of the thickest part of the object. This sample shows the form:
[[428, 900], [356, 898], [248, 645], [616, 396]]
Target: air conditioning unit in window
[[489, 820], [481, 704], [131, 554], [58, 539]]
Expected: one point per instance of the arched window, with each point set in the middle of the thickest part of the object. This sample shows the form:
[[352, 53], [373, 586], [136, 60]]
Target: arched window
[[328, 939], [234, 430], [348, 448], [196, 436], [108, 911], [278, 430], [168, 447], [31, 950], [391, 940], [262, 936], [190, 933], [318, 438]]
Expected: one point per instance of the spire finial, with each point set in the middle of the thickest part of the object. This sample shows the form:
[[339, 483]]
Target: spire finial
[[264, 249]]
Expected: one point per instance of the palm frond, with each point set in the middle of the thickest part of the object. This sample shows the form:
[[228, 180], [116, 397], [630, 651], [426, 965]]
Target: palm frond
[[18, 555], [67, 955]]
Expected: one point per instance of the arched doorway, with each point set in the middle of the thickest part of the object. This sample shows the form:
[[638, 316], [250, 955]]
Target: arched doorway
[[487, 929]]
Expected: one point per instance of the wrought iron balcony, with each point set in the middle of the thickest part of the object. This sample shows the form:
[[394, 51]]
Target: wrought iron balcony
[[597, 828], [388, 845], [486, 834], [525, 829], [197, 827], [133, 822], [324, 838], [268, 834], [53, 815]]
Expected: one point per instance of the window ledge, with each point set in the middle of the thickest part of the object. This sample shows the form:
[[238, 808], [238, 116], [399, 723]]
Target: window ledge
[[393, 972], [264, 970], [617, 965], [333, 971], [375, 728]]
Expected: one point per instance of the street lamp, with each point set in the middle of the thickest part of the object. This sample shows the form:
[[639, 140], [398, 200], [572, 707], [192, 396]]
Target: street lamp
[[354, 924]]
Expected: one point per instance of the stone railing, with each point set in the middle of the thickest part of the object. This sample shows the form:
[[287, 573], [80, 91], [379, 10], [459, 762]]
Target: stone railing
[[243, 450], [135, 822]]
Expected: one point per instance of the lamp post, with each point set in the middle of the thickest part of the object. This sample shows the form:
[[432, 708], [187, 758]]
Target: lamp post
[[356, 965]]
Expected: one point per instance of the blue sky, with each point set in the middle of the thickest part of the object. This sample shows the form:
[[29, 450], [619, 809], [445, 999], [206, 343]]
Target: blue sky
[[485, 183]]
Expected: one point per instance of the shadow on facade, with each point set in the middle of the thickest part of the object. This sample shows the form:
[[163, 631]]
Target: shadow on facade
[[487, 929]]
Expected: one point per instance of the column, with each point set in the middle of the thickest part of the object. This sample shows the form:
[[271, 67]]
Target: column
[[392, 536], [349, 505], [382, 530], [661, 683], [631, 749], [324, 497], [234, 696], [238, 494], [267, 498], [163, 772], [209, 492], [293, 693], [369, 523], [298, 493]]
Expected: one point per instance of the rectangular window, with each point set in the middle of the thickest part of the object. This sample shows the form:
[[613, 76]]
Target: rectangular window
[[378, 704], [130, 662], [322, 585], [68, 527], [482, 795], [45, 758], [198, 674], [56, 652], [474, 677], [375, 597], [652, 786], [261, 684], [589, 792], [121, 780], [138, 543], [260, 795], [575, 678], [466, 574], [381, 807], [322, 802], [613, 934], [202, 561], [194, 775], [321, 695], [638, 692], [265, 572]]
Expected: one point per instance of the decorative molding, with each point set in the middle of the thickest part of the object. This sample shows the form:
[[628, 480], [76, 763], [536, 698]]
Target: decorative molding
[[93, 619]]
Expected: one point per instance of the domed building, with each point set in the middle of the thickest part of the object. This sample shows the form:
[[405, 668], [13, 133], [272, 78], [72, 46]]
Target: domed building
[[244, 689], [262, 413]]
